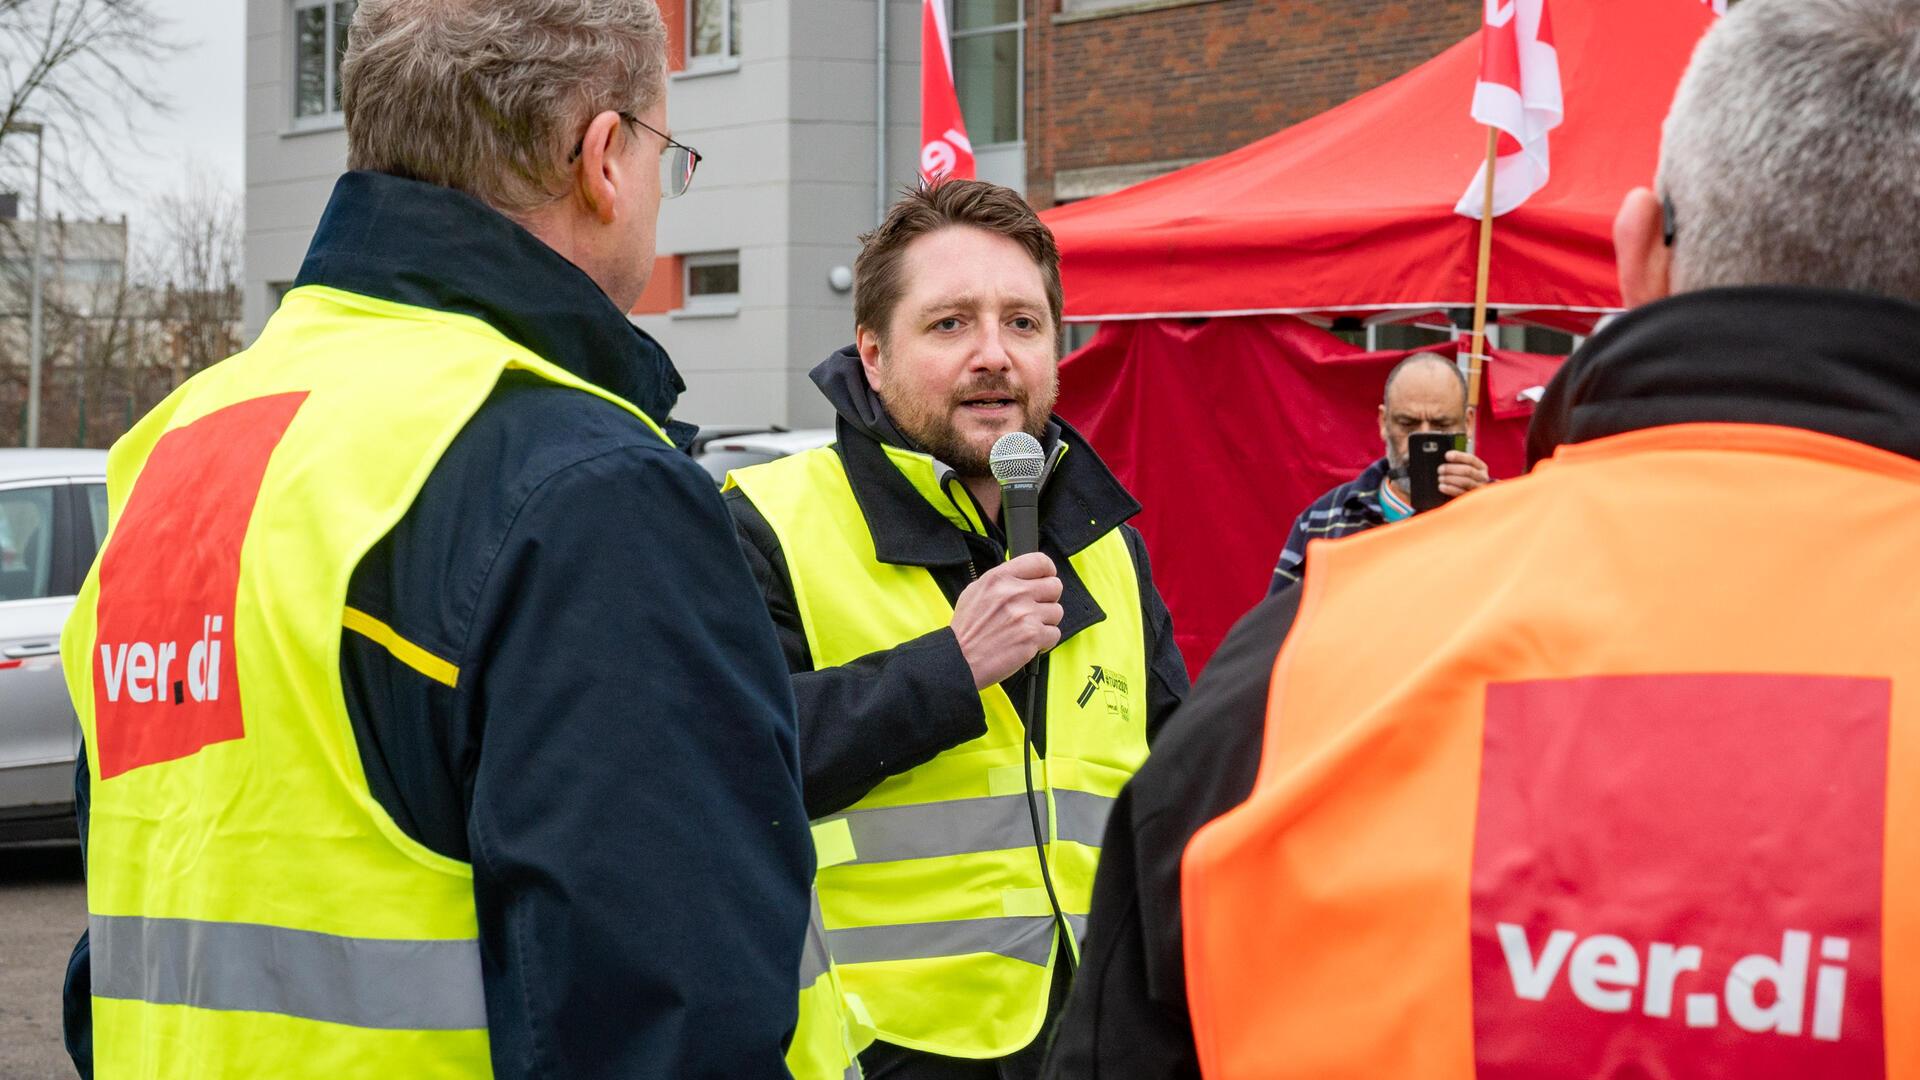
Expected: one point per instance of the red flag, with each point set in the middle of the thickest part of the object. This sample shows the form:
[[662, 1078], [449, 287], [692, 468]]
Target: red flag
[[945, 152], [1519, 93]]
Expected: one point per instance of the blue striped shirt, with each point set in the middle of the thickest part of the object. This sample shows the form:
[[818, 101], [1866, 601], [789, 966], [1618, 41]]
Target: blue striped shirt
[[1350, 508]]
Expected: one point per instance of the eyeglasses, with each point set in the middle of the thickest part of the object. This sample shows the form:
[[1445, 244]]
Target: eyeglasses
[[1669, 229], [677, 160]]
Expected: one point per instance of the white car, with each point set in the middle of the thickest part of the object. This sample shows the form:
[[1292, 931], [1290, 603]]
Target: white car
[[53, 516], [739, 451]]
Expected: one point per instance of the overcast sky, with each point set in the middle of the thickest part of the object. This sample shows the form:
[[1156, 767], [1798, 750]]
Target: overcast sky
[[206, 81]]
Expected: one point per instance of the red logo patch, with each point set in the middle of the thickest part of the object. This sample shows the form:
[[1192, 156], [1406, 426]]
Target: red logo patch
[[1679, 875], [164, 673]]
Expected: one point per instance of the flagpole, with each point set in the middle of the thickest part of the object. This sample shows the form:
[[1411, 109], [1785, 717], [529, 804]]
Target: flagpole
[[1476, 360]]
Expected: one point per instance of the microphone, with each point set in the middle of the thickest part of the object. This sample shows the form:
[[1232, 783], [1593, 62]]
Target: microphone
[[1017, 462]]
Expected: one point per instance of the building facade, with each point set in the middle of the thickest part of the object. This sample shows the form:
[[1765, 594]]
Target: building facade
[[807, 118], [1121, 91]]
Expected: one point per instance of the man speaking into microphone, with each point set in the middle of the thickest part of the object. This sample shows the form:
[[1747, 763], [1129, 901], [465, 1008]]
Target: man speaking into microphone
[[939, 680]]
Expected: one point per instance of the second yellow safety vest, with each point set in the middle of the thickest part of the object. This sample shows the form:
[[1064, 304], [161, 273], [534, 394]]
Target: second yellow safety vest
[[940, 924]]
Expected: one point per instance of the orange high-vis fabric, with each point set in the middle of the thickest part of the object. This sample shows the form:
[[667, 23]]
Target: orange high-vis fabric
[[1613, 770]]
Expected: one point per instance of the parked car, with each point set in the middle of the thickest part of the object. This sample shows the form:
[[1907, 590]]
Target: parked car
[[53, 517], [708, 433], [739, 451]]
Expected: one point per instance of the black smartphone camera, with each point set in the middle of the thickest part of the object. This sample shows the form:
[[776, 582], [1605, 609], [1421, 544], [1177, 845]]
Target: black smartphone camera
[[1426, 452]]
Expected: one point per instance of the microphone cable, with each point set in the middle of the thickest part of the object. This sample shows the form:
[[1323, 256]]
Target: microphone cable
[[1072, 954]]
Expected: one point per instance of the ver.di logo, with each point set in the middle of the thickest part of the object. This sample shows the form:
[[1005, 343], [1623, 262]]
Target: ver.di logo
[[1112, 687]]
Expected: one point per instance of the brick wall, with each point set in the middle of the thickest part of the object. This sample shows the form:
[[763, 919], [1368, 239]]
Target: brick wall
[[1198, 79]]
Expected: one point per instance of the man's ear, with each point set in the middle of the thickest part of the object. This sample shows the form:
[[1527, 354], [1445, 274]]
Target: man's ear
[[597, 173], [868, 343], [1383, 423], [1640, 250]]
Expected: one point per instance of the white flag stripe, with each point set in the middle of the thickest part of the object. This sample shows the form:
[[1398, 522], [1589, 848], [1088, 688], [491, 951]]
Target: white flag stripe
[[1526, 112], [939, 13]]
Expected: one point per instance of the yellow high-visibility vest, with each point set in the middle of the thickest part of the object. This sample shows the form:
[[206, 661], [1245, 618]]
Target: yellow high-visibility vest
[[833, 1028], [254, 911], [940, 923]]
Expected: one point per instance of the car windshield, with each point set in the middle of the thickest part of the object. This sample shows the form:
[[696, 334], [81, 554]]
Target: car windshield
[[719, 462]]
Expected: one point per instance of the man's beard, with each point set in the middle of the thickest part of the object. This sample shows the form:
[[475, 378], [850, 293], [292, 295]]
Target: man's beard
[[1396, 464], [933, 431]]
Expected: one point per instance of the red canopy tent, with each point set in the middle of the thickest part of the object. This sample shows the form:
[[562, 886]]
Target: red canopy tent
[[1351, 212], [1226, 430]]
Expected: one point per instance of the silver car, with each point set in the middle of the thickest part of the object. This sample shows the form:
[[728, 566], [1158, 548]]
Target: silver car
[[53, 516], [722, 455]]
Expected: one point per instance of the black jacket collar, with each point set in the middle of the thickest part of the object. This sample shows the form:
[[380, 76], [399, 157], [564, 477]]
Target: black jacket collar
[[433, 247], [1826, 360], [1081, 502]]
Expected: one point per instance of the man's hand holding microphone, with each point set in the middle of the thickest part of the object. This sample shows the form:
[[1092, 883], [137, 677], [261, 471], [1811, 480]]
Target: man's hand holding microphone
[[1012, 614], [1008, 617]]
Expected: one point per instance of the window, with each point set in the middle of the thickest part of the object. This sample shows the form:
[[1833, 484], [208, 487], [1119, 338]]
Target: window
[[26, 543], [988, 68], [1536, 339], [97, 514], [712, 282], [715, 37], [319, 43], [1073, 6], [1396, 337]]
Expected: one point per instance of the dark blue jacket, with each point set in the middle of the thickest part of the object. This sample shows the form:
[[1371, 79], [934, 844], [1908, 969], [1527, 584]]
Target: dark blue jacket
[[618, 760]]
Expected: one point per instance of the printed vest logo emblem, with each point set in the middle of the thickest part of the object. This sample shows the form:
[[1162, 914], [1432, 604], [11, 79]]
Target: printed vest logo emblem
[[165, 682], [1112, 690], [1680, 875]]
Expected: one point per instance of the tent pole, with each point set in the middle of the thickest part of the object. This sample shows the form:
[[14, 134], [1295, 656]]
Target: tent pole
[[1476, 360]]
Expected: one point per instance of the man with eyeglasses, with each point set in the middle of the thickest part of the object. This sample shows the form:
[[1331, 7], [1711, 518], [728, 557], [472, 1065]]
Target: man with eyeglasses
[[434, 723]]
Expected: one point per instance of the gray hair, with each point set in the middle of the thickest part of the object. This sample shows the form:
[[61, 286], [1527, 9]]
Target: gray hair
[[490, 96], [1792, 154]]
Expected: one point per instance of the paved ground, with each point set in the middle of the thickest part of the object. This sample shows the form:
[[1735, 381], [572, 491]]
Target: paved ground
[[43, 907]]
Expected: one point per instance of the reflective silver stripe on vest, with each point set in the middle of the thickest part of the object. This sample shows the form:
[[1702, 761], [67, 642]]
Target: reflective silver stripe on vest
[[932, 830], [243, 967], [853, 1071], [1021, 937], [814, 960], [969, 826], [1083, 815]]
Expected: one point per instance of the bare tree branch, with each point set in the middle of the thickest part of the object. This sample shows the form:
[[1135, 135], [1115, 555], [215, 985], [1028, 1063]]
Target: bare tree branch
[[85, 70]]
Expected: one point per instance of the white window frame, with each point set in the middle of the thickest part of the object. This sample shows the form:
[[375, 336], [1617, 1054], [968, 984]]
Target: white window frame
[[332, 117], [1019, 28], [709, 304], [727, 59]]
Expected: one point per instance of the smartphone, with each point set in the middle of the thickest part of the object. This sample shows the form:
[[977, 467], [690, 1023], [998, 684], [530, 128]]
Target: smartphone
[[1426, 452]]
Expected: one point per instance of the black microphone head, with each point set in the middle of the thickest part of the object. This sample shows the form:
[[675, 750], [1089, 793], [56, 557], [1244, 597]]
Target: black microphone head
[[1017, 459]]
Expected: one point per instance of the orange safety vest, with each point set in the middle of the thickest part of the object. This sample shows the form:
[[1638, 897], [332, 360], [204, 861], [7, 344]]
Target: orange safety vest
[[1613, 770]]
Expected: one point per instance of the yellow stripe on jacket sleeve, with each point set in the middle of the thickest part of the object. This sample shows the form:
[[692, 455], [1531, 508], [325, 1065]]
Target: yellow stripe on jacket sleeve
[[405, 651]]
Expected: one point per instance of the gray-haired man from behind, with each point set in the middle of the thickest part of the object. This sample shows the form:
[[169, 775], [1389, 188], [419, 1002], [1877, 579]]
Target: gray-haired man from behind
[[1755, 419]]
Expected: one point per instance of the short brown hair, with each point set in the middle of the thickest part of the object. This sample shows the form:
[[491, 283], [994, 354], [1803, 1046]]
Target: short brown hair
[[876, 273], [487, 96]]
